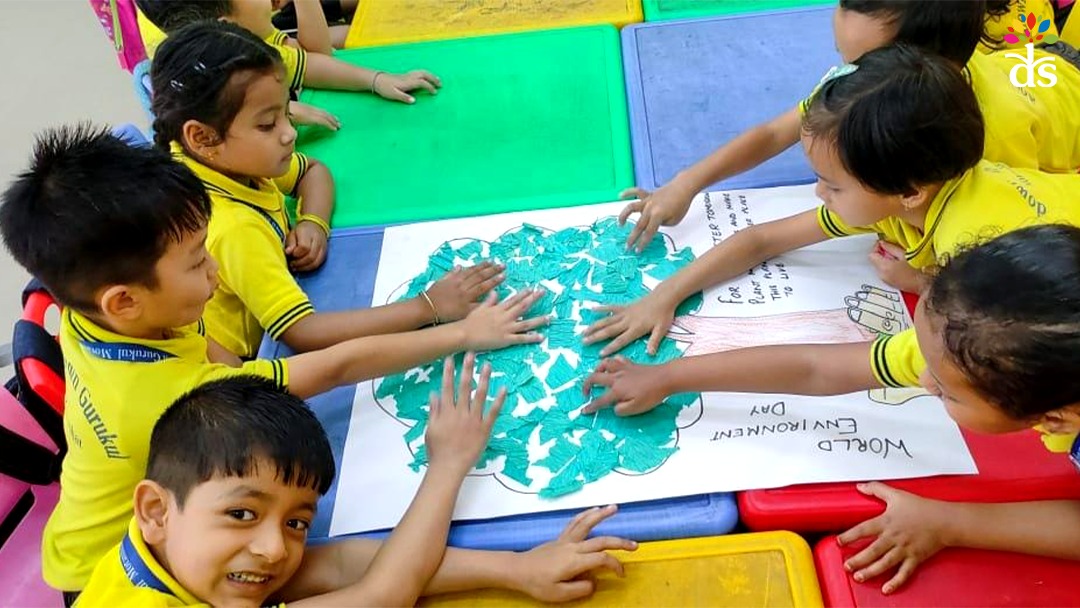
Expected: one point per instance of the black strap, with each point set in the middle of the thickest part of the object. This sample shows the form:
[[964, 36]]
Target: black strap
[[31, 341], [27, 461]]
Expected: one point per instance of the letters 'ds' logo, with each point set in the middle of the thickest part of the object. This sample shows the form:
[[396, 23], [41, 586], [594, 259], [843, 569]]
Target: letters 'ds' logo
[[1044, 67]]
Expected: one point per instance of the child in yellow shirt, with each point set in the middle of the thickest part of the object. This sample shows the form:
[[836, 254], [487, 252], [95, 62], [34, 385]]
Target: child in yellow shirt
[[996, 337], [118, 236], [228, 122], [235, 471], [896, 141], [315, 66], [1025, 128]]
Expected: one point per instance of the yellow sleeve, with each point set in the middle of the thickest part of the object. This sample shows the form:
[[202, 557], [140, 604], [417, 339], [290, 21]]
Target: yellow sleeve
[[834, 227], [295, 59], [1059, 444], [255, 268], [276, 370], [896, 360], [298, 167]]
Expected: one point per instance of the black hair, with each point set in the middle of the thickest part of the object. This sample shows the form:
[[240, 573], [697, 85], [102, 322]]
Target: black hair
[[227, 427], [950, 28], [202, 73], [93, 211], [171, 15], [1009, 314], [905, 118]]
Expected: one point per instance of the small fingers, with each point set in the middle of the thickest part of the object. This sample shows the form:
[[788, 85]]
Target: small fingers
[[871, 527], [599, 327], [586, 521], [625, 338], [599, 377], [574, 590], [465, 381], [656, 337], [603, 401], [486, 285], [639, 236], [480, 395], [634, 207], [868, 555], [881, 565], [635, 192], [529, 324], [448, 380], [593, 561], [907, 568], [608, 543], [652, 224], [496, 407]]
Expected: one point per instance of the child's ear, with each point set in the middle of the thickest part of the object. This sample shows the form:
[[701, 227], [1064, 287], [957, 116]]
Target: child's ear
[[151, 510], [918, 196], [1062, 421], [120, 302], [200, 138]]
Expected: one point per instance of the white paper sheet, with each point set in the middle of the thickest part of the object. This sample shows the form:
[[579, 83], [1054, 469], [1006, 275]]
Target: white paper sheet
[[726, 441]]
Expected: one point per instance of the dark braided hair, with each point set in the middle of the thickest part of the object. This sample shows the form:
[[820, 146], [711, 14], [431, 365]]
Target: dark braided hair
[[202, 73]]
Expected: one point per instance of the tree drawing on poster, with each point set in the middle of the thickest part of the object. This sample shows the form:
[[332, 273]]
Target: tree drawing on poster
[[541, 444]]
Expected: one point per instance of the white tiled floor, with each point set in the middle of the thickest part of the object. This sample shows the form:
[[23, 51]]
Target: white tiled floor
[[58, 67]]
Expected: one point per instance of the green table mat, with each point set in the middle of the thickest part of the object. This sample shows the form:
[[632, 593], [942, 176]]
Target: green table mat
[[523, 121], [663, 10]]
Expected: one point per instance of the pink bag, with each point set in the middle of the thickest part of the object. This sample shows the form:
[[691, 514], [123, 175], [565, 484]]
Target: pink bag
[[121, 24]]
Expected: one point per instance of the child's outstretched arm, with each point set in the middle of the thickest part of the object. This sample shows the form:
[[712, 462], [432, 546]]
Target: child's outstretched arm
[[913, 528], [552, 572], [325, 72], [312, 31], [799, 369], [669, 204], [654, 313], [457, 433], [305, 245], [449, 299], [491, 326]]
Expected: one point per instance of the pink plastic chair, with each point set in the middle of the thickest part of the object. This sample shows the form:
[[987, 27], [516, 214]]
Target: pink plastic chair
[[24, 509]]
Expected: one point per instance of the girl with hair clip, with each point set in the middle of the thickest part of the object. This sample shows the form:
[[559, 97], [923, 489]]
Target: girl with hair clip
[[896, 141], [996, 338], [221, 104], [1028, 127]]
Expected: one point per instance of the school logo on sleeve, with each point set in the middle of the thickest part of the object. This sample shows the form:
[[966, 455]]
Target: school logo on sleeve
[[1037, 72]]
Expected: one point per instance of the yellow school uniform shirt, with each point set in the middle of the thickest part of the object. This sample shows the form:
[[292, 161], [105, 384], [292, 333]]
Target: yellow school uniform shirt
[[897, 362], [1028, 127], [295, 59], [117, 387], [1023, 128], [997, 27], [246, 237], [113, 586], [988, 200]]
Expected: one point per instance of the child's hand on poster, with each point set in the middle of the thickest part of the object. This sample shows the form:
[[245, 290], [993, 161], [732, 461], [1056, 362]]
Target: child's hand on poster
[[910, 530], [559, 571], [891, 264], [458, 430], [459, 292], [494, 325], [631, 388], [665, 207], [652, 314]]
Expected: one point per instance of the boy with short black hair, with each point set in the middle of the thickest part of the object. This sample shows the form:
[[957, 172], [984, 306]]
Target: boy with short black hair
[[235, 470], [118, 235]]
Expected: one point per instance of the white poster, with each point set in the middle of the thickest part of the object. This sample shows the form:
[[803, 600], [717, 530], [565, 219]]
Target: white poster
[[545, 456]]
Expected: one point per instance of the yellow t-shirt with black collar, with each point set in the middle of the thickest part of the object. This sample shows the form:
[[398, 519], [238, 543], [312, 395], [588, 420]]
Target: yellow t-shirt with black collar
[[1025, 128], [147, 585], [295, 59], [988, 200], [246, 236], [897, 362], [116, 389]]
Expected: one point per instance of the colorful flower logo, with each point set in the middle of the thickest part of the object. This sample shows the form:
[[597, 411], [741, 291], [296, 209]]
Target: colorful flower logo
[[1027, 24]]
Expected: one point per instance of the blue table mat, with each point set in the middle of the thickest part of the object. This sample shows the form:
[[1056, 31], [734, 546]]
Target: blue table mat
[[693, 85]]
